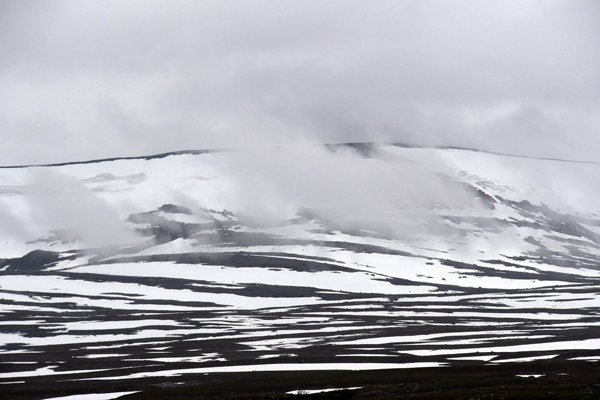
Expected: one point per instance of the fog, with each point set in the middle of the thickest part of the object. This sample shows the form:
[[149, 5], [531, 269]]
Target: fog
[[337, 182]]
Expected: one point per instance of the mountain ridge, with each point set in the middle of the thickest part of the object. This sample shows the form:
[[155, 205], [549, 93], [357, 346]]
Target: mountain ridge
[[356, 145]]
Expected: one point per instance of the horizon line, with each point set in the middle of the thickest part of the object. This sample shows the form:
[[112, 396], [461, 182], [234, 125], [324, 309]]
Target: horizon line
[[356, 145]]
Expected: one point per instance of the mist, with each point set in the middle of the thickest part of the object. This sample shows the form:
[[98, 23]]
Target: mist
[[345, 188], [61, 203]]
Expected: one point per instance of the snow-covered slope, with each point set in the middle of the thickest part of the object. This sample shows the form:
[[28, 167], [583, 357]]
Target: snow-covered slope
[[347, 257]]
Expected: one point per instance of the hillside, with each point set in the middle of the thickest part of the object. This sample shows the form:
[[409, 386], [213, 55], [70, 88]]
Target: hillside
[[156, 273]]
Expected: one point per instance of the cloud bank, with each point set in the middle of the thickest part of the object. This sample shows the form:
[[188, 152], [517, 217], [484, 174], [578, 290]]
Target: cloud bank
[[138, 77]]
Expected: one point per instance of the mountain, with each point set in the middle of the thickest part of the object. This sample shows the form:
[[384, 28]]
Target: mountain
[[152, 274]]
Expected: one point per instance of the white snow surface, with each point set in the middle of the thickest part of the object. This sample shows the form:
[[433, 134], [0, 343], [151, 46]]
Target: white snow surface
[[92, 396]]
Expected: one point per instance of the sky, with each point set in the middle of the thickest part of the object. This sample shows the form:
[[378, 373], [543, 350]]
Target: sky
[[89, 79]]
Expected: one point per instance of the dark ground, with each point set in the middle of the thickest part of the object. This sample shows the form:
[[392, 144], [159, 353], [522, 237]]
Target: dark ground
[[560, 380]]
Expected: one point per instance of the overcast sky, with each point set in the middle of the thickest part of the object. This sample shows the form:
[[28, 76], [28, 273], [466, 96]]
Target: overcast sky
[[85, 79]]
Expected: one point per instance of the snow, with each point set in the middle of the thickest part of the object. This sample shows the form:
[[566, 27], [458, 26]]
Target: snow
[[357, 282], [525, 359], [473, 358], [587, 358], [418, 338], [471, 314], [194, 359], [61, 339], [45, 371], [92, 396], [584, 344], [313, 391], [114, 325], [105, 355], [417, 270], [539, 181], [59, 284], [276, 367]]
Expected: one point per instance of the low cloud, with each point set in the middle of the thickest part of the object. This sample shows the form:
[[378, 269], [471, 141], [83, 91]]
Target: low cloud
[[385, 192], [12, 226], [60, 202]]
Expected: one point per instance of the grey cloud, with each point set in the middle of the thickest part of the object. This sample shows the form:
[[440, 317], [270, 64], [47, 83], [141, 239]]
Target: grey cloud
[[125, 78]]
